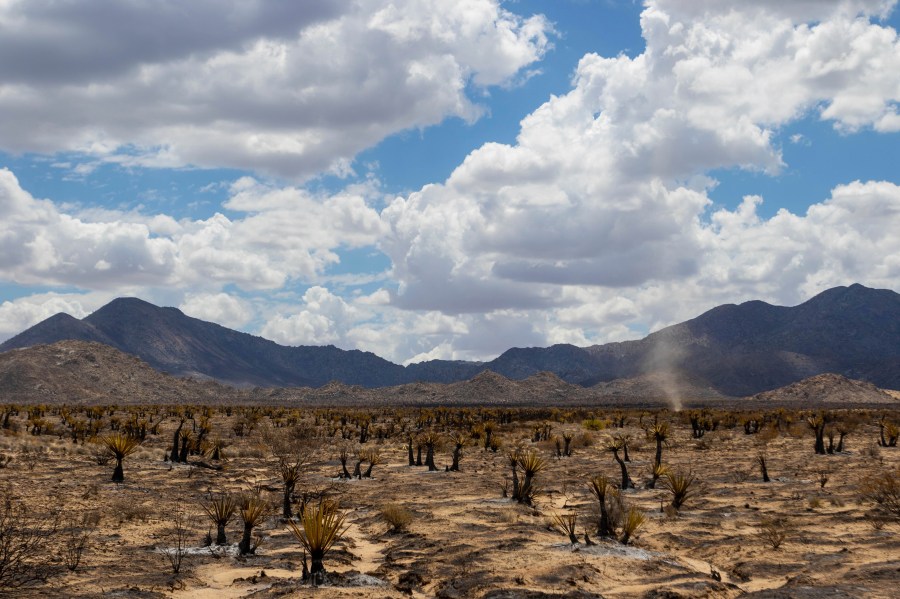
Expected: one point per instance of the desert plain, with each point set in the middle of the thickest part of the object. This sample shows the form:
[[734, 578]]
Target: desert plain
[[814, 529]]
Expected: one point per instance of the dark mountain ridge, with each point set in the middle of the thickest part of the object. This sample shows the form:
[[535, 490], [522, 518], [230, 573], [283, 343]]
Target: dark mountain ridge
[[737, 350]]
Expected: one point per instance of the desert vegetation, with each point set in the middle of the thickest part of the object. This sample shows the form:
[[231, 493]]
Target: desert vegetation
[[445, 502]]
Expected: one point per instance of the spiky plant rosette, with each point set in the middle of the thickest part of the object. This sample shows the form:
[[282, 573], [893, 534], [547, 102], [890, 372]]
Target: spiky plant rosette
[[120, 445], [319, 528]]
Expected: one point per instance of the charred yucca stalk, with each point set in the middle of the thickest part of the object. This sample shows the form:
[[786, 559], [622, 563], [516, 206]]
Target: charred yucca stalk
[[567, 442], [343, 456], [513, 458], [173, 454], [410, 441], [459, 440], [659, 432], [221, 510], [430, 440], [682, 486], [120, 446], [319, 529], [817, 424], [360, 455], [290, 474], [489, 428], [761, 459], [186, 441], [373, 456], [253, 509], [614, 445], [600, 487]]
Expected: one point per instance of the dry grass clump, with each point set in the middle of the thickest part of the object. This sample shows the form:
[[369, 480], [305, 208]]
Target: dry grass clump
[[397, 516]]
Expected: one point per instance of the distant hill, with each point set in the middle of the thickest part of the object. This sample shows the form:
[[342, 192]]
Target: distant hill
[[81, 372], [735, 350], [828, 390]]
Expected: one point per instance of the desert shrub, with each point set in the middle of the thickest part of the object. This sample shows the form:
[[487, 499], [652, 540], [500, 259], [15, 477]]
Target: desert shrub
[[682, 485], [77, 536], [584, 440], [319, 529], [397, 516], [128, 511], [884, 490], [176, 539], [25, 541], [594, 424], [774, 531]]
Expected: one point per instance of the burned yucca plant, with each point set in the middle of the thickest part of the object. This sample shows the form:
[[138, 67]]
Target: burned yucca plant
[[614, 445], [373, 456], [762, 461], [565, 523], [290, 470], [531, 464], [656, 471], [659, 432], [459, 440], [633, 519], [601, 487], [319, 529], [119, 446], [253, 509], [430, 439], [221, 510], [682, 485]]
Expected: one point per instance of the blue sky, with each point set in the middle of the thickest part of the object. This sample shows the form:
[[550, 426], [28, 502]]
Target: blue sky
[[430, 182]]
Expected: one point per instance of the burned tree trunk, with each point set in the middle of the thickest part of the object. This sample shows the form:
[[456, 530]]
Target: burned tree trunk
[[173, 455]]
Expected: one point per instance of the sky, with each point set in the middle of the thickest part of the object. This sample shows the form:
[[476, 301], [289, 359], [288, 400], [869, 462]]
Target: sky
[[426, 179]]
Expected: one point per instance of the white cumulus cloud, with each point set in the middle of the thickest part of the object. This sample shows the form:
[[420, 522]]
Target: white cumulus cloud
[[292, 88]]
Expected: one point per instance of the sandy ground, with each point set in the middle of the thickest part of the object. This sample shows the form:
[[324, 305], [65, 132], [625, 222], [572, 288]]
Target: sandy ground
[[465, 539]]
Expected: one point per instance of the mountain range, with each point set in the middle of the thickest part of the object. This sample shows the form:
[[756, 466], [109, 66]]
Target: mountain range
[[735, 350]]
